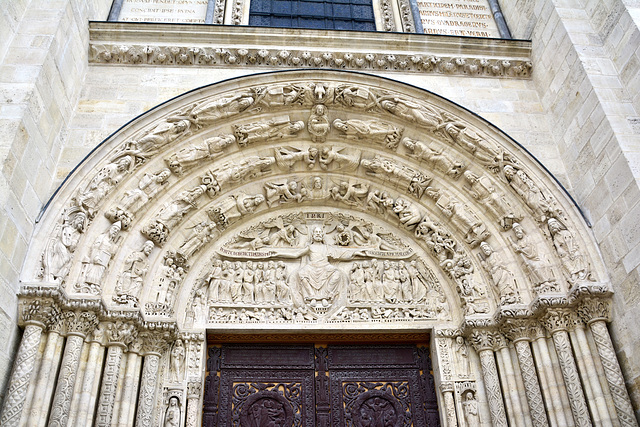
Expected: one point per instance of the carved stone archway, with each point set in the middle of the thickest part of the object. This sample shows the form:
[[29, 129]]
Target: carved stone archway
[[305, 201]]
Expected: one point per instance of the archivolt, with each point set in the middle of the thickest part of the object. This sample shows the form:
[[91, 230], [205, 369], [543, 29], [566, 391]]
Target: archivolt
[[228, 166]]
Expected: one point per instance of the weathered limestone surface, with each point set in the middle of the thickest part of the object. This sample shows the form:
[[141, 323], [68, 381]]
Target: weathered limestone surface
[[577, 113]]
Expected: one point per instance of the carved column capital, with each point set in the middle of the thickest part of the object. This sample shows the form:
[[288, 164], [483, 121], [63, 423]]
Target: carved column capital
[[194, 389], [120, 333], [521, 330], [154, 343], [80, 323], [42, 312], [594, 309], [483, 339], [447, 386], [560, 319], [500, 341]]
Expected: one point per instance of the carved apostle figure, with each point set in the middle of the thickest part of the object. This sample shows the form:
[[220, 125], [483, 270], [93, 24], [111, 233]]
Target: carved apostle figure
[[200, 235], [234, 207], [102, 249], [56, 259], [485, 152], [571, 256], [537, 269], [131, 280], [176, 361], [502, 278]]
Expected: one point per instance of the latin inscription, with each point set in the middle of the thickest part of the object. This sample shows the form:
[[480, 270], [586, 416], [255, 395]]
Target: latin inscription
[[176, 11], [470, 18]]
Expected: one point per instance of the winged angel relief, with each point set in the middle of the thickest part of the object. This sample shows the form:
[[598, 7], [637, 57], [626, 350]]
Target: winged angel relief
[[318, 249]]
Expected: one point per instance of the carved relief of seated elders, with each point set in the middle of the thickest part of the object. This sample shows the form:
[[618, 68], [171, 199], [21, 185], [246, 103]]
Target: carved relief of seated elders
[[148, 187], [173, 212], [283, 192], [209, 112], [502, 278], [370, 130], [439, 158], [528, 191], [103, 182], [538, 270], [163, 134], [263, 131], [191, 155], [422, 115], [474, 144]]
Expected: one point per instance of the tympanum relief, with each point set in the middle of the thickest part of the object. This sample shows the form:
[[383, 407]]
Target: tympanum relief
[[316, 267]]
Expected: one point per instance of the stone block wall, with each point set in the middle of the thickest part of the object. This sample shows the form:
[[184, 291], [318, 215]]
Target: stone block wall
[[586, 56], [42, 65]]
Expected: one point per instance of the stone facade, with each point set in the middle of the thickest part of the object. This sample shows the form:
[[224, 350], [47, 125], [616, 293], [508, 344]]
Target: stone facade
[[122, 262]]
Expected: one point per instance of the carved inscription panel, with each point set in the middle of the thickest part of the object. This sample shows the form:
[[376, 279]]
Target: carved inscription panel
[[176, 11], [458, 18]]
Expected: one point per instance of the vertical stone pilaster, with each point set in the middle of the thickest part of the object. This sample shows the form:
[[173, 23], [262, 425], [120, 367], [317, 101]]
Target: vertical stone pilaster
[[447, 389], [78, 325], [119, 334], [153, 346], [520, 333], [484, 341], [131, 377], [557, 323], [194, 390], [595, 312]]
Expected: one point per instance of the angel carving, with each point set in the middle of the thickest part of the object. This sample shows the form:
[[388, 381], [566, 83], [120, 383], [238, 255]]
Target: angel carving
[[284, 192], [339, 158], [287, 157]]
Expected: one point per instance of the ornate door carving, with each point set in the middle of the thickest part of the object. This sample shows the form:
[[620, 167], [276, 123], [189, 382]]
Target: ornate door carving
[[307, 385]]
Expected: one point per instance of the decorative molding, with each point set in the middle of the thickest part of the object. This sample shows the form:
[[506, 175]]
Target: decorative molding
[[137, 44]]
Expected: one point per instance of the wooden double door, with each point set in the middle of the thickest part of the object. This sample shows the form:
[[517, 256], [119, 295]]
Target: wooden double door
[[311, 385]]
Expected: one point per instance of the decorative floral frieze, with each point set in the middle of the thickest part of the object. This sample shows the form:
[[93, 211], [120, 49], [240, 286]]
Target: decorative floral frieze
[[208, 56]]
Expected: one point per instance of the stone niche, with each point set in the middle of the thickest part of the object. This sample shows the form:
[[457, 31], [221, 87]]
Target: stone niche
[[302, 201]]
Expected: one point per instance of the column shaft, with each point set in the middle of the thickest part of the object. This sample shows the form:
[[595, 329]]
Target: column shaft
[[572, 383], [46, 380], [492, 385], [66, 381], [109, 384], [90, 384], [531, 385], [511, 390], [130, 380], [21, 375], [450, 409], [77, 390], [147, 396], [612, 372], [553, 403]]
